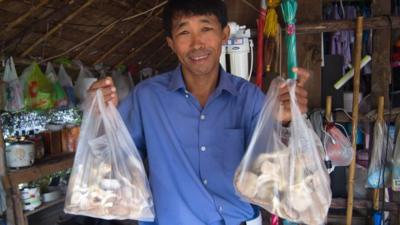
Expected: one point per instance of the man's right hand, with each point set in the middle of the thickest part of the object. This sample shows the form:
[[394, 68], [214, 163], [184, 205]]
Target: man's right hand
[[107, 87]]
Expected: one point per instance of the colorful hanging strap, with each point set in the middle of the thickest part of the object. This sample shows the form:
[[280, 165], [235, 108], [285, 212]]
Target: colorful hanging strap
[[289, 9]]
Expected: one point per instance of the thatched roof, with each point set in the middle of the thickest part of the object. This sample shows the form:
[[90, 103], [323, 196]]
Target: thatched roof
[[95, 31]]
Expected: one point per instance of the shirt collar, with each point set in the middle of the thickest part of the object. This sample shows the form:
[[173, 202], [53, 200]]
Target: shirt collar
[[225, 81]]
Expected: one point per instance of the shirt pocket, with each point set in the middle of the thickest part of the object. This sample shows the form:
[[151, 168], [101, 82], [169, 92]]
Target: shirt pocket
[[232, 147]]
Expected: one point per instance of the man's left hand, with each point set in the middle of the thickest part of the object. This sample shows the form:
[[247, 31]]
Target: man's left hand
[[301, 95]]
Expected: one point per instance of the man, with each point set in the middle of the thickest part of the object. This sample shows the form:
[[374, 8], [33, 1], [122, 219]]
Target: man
[[193, 123]]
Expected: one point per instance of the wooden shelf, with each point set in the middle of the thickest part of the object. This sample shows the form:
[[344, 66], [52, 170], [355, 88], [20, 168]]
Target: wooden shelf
[[45, 206], [341, 117], [379, 22], [42, 168], [341, 203]]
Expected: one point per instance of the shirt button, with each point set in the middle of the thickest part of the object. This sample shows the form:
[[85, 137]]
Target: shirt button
[[220, 208], [187, 96], [202, 117], [205, 182], [203, 148]]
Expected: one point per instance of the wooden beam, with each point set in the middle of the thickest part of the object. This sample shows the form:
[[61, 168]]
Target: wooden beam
[[58, 26], [105, 31], [24, 16], [381, 46], [164, 59], [378, 22], [144, 45], [148, 58], [126, 38], [100, 32]]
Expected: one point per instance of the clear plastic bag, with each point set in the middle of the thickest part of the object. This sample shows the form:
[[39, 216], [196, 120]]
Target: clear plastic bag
[[285, 175], [379, 173], [60, 97], [83, 82], [123, 83], [108, 179], [337, 145], [13, 96], [396, 166], [38, 90], [66, 83]]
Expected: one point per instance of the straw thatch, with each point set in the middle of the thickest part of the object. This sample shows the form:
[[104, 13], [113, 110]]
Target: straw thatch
[[95, 31]]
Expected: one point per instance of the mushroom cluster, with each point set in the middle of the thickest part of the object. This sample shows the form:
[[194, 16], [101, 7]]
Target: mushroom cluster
[[103, 192], [288, 185]]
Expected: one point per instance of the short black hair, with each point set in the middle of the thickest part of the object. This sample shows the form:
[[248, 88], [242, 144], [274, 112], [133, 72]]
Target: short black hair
[[193, 7]]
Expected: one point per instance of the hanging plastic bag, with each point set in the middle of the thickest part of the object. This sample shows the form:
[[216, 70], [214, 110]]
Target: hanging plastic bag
[[60, 97], [66, 83], [108, 179], [380, 165], [38, 90], [396, 165], [285, 176], [337, 145], [13, 96], [83, 82], [122, 83]]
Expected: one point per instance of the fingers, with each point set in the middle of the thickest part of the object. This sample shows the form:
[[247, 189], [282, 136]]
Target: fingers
[[103, 83], [108, 89], [302, 75]]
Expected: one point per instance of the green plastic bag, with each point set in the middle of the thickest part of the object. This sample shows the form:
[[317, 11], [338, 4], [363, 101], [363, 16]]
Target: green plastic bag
[[38, 90], [60, 97]]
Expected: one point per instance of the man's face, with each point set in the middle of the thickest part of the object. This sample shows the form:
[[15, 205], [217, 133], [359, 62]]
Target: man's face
[[197, 41]]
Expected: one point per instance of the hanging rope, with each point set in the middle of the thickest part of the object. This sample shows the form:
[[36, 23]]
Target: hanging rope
[[271, 19]]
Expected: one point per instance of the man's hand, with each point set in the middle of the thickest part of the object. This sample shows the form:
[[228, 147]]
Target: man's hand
[[107, 87], [301, 95]]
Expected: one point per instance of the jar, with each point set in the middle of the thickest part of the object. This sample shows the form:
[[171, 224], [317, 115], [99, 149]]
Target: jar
[[20, 153]]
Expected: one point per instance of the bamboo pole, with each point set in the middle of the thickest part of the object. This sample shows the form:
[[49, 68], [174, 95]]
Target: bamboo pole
[[356, 89], [148, 58], [100, 32], [58, 26], [130, 55], [103, 32], [24, 16], [164, 60], [125, 39], [379, 119], [328, 109]]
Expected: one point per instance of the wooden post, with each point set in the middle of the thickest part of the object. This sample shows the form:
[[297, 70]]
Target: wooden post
[[310, 11], [379, 119], [381, 68], [58, 26], [24, 16], [2, 154], [18, 208], [328, 109], [356, 90], [130, 55]]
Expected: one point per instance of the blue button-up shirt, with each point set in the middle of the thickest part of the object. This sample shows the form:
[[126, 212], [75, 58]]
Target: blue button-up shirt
[[193, 151]]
